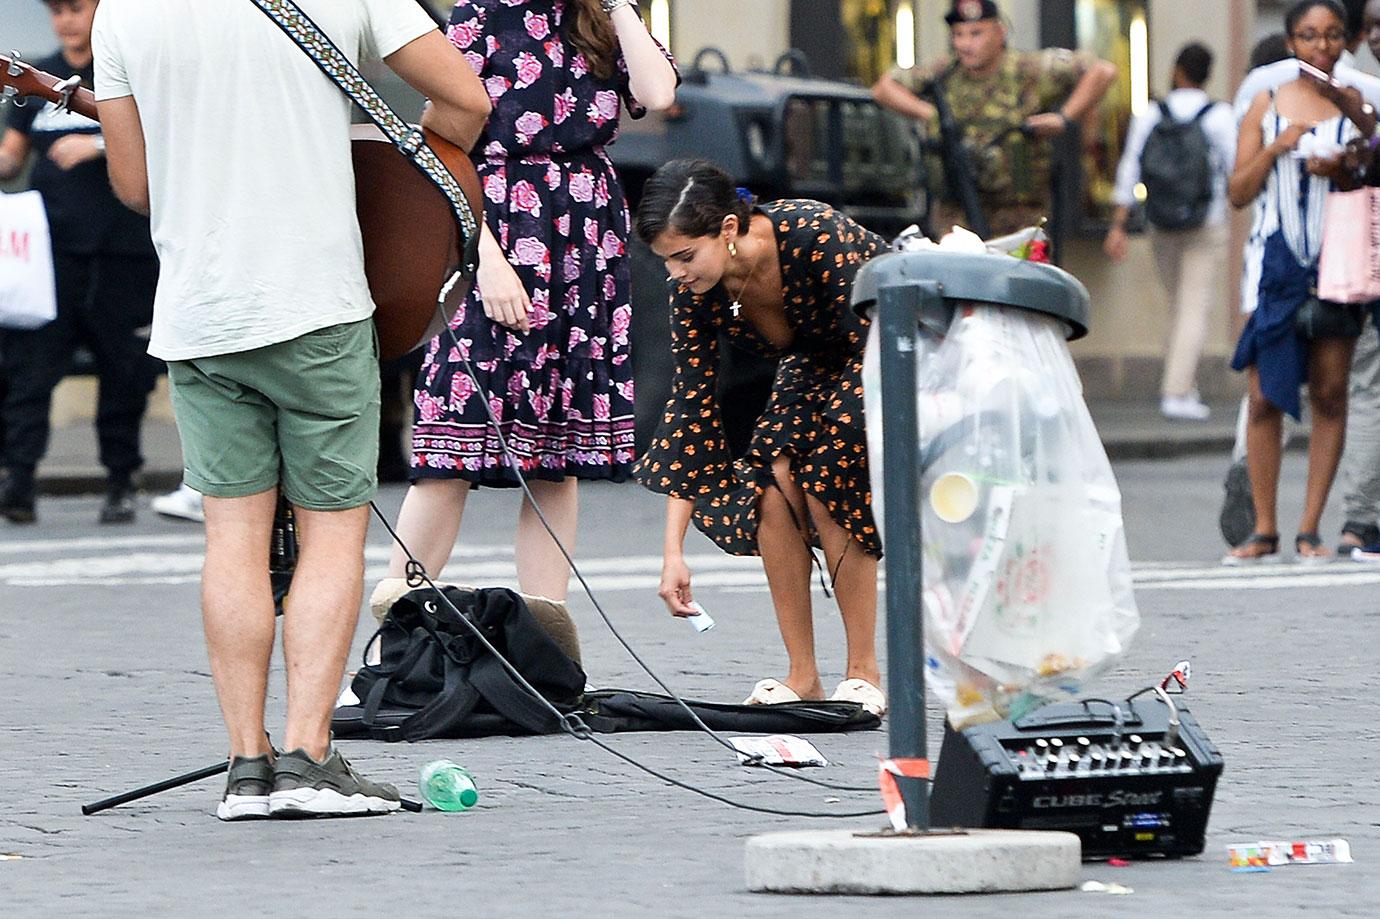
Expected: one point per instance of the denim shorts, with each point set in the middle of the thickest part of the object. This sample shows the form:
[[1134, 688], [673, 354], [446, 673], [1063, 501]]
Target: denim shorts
[[301, 414]]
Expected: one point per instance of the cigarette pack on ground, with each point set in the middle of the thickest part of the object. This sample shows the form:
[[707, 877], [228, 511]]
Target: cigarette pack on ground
[[778, 750], [1273, 853]]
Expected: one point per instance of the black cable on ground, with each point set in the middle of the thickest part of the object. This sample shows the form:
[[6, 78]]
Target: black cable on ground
[[571, 723]]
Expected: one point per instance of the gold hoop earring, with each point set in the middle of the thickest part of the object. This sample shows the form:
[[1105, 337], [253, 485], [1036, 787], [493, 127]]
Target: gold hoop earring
[[732, 249]]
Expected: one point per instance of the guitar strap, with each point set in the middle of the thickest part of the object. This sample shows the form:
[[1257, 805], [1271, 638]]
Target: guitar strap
[[409, 140]]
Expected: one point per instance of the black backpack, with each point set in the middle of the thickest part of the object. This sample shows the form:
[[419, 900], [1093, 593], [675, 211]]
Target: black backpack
[[435, 679], [1176, 167]]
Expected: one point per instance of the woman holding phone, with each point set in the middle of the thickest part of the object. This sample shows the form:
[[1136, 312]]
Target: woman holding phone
[[1290, 142]]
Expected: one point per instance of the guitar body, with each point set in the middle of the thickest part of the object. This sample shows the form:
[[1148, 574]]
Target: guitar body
[[412, 237], [412, 240]]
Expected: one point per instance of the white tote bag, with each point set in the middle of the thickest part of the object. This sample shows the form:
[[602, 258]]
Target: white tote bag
[[27, 296]]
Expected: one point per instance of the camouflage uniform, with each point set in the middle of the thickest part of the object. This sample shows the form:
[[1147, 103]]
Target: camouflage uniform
[[1013, 172]]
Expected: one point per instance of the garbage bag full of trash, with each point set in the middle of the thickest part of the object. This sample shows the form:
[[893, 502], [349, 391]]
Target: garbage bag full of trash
[[1027, 584]]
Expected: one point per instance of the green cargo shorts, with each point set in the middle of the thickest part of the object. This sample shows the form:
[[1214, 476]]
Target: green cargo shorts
[[303, 414]]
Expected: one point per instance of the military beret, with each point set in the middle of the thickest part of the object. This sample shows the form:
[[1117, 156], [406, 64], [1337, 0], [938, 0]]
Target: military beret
[[972, 11]]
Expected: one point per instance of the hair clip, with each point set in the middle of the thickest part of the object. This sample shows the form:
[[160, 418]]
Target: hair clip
[[744, 195]]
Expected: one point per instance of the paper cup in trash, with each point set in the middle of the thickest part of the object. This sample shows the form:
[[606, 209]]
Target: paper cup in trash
[[954, 497]]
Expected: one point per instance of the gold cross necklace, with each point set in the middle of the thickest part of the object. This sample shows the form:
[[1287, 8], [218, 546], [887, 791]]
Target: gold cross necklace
[[737, 306]]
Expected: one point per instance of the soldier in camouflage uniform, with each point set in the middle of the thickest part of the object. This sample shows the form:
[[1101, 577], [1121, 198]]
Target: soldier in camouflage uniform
[[1009, 104]]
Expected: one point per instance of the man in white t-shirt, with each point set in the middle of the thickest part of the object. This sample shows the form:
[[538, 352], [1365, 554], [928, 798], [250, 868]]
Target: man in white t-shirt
[[1190, 259], [227, 134]]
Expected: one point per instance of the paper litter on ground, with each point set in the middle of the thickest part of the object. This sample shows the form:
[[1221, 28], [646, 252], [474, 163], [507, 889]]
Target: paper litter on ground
[[778, 750]]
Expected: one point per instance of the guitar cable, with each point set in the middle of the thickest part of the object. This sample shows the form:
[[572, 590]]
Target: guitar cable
[[417, 576]]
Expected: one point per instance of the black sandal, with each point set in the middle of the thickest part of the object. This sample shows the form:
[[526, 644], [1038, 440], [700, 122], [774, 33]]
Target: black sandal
[[1312, 541], [1269, 542]]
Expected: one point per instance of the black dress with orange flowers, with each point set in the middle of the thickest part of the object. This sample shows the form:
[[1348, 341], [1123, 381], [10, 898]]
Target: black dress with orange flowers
[[815, 413]]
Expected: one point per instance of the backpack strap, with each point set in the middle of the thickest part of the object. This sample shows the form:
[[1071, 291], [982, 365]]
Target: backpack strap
[[448, 708], [1212, 104], [509, 699]]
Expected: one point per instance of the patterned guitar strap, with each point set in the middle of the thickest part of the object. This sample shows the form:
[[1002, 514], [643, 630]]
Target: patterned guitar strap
[[408, 138]]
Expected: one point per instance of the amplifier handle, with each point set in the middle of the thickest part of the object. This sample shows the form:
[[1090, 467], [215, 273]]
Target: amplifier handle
[[1116, 717]]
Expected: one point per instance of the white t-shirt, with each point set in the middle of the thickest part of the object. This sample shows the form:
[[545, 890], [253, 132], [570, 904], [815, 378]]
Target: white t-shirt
[[251, 186], [1218, 125]]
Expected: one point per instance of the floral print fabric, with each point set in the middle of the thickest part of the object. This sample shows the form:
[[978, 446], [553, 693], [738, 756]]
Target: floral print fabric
[[815, 413], [563, 392]]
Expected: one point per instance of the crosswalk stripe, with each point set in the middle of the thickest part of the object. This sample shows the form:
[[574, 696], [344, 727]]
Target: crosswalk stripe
[[132, 560]]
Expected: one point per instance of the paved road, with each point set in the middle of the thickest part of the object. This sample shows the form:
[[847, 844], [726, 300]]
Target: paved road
[[106, 687]]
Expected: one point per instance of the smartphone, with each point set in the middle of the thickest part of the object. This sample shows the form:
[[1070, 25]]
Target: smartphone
[[1308, 70], [700, 620]]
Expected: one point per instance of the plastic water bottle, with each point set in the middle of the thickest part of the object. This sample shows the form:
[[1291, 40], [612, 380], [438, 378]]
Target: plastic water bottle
[[447, 786]]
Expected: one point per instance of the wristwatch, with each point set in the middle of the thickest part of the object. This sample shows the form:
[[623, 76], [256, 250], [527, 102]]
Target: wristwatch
[[611, 5]]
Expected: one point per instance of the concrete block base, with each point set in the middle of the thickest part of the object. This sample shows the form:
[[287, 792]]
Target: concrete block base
[[974, 861]]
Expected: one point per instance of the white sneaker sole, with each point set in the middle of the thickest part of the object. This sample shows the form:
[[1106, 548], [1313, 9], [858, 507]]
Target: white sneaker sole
[[243, 807], [326, 802]]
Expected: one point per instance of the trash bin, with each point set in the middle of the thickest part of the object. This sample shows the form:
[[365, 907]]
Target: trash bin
[[1017, 524]]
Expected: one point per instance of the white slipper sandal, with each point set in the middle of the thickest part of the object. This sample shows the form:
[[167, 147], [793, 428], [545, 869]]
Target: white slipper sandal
[[862, 692], [771, 692]]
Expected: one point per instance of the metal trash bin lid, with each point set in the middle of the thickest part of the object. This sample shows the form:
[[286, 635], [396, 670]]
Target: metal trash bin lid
[[999, 279]]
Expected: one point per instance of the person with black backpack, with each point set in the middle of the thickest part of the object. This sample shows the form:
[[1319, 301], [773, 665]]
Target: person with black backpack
[[1181, 149]]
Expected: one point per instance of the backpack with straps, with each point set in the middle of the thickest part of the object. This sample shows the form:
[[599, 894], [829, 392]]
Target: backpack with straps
[[1176, 167], [435, 679]]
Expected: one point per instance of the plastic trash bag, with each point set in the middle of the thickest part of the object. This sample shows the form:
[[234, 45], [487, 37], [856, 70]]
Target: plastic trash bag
[[1027, 583]]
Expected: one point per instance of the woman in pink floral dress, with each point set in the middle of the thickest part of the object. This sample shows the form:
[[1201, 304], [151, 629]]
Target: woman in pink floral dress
[[546, 326]]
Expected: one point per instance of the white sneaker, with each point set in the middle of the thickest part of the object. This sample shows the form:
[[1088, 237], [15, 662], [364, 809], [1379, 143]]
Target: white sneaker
[[184, 504], [1184, 408]]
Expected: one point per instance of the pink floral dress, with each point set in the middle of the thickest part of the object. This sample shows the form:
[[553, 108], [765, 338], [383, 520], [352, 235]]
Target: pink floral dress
[[564, 391]]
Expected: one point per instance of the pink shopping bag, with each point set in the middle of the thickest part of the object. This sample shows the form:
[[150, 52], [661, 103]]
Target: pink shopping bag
[[1349, 268]]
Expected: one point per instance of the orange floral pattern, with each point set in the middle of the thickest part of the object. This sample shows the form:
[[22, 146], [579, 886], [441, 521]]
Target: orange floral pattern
[[815, 412]]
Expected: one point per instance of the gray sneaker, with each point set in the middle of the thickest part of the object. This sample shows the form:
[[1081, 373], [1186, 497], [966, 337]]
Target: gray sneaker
[[302, 787], [247, 789]]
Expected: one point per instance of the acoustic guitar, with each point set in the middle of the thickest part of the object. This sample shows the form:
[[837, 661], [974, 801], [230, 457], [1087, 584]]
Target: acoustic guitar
[[412, 235]]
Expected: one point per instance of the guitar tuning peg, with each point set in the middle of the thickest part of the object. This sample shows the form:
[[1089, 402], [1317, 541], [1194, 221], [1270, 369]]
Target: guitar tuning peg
[[14, 68]]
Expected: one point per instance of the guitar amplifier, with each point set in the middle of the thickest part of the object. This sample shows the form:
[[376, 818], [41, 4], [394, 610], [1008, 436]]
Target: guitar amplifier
[[1134, 778]]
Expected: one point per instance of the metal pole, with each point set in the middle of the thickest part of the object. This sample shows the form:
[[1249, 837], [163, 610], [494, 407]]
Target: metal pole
[[898, 312]]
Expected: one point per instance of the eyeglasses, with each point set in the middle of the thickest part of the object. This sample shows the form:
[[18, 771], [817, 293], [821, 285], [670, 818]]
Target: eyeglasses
[[1331, 37]]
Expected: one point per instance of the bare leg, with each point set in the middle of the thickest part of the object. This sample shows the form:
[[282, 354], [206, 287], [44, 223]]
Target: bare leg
[[786, 560], [237, 612], [428, 524], [855, 590], [1264, 422], [1329, 363], [319, 620], [541, 568]]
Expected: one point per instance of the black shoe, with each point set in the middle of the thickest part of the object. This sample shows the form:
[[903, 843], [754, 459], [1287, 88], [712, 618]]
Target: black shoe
[[17, 498], [1237, 520], [119, 502], [1365, 534]]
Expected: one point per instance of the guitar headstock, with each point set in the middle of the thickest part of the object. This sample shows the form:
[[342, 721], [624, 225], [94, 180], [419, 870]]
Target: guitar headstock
[[20, 81]]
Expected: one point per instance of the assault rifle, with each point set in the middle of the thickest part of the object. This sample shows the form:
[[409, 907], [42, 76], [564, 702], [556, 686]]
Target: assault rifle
[[955, 155]]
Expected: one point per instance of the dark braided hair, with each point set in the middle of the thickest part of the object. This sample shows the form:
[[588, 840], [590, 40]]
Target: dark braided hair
[[691, 197]]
